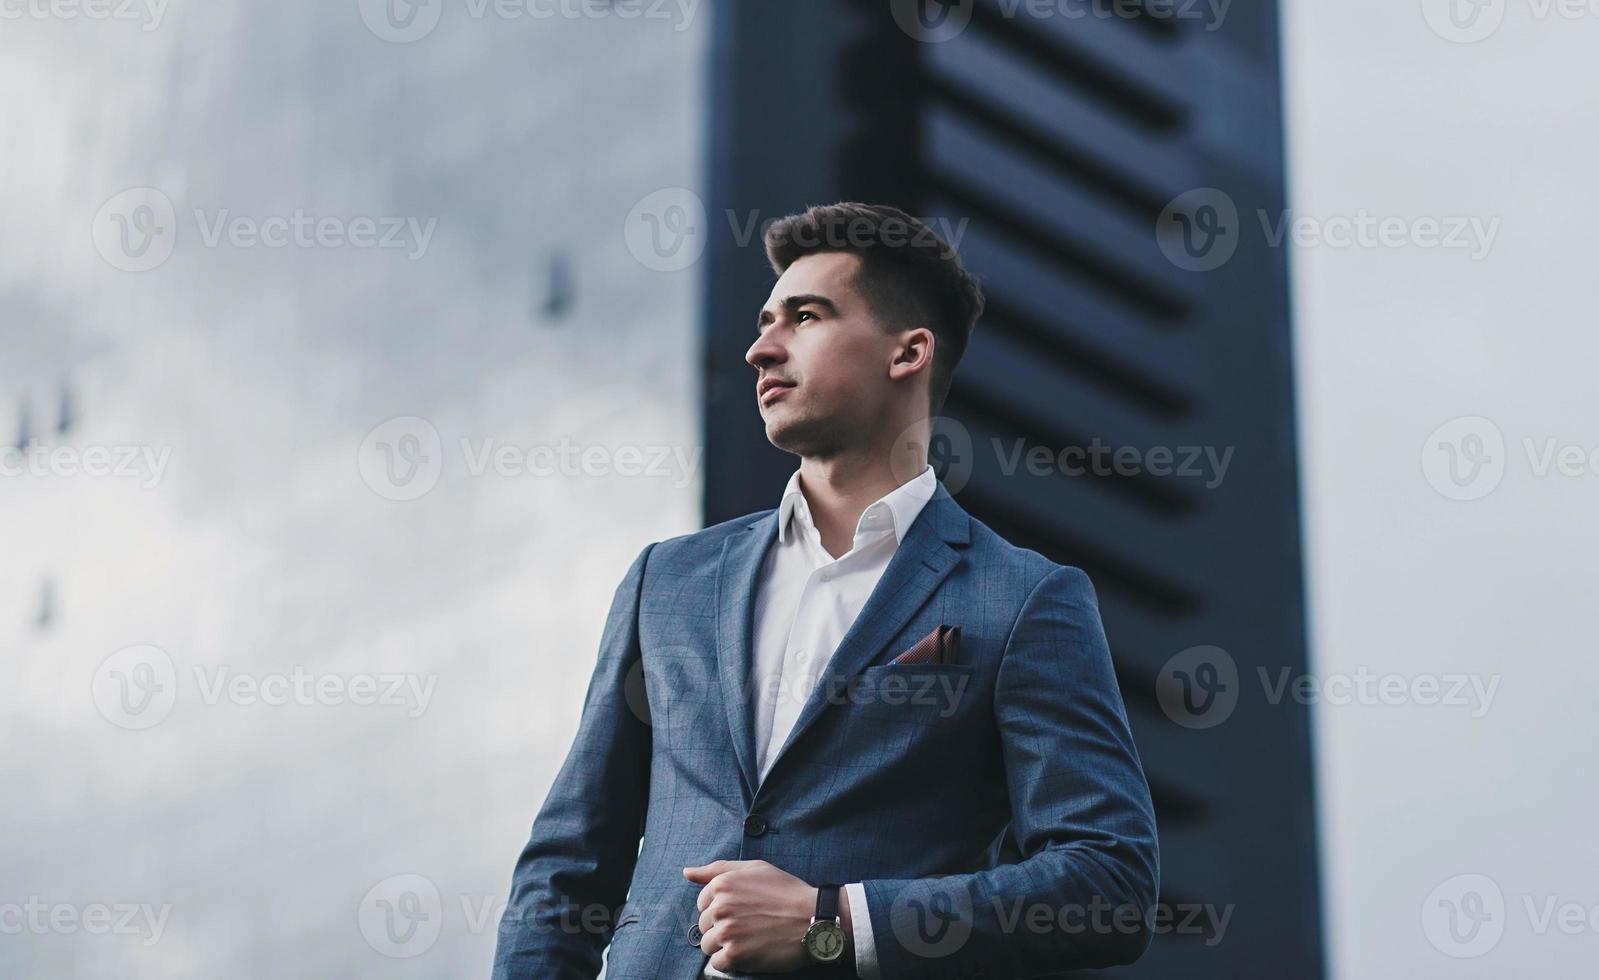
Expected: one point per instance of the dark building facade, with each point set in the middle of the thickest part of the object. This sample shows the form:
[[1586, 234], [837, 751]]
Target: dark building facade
[[1103, 166]]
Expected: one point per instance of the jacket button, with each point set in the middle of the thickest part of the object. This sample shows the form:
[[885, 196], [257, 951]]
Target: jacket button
[[694, 934], [754, 825]]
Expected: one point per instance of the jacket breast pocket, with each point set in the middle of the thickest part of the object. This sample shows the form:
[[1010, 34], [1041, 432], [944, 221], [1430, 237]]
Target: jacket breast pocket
[[913, 694]]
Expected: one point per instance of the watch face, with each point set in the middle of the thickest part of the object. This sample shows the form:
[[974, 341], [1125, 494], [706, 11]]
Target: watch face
[[824, 941]]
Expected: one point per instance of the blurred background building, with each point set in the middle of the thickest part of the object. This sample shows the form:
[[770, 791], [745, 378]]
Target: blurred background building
[[1050, 148], [352, 350]]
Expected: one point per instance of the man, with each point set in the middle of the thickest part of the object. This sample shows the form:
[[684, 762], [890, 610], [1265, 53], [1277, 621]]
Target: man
[[863, 687]]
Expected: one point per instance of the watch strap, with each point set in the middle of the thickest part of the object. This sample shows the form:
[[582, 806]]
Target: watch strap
[[827, 902]]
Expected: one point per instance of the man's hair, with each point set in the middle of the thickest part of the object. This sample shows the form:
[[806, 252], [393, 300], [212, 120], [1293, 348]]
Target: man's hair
[[908, 274]]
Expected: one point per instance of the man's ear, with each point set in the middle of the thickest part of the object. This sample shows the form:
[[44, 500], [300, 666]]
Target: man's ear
[[914, 353]]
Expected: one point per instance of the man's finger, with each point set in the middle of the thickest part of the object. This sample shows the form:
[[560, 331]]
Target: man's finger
[[705, 872]]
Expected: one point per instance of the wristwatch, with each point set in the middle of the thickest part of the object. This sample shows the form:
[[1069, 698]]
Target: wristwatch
[[824, 940]]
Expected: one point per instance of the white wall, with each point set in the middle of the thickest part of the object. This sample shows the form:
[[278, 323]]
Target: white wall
[[1394, 115], [271, 834]]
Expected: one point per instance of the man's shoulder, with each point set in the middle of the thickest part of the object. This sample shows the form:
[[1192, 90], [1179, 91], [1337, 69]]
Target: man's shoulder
[[704, 544], [1022, 569]]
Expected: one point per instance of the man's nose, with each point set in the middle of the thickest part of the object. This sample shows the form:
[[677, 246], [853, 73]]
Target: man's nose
[[764, 352]]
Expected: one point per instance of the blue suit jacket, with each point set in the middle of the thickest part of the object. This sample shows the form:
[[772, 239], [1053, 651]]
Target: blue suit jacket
[[904, 778]]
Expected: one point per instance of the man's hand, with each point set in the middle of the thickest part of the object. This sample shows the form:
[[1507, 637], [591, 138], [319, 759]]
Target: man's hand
[[753, 916]]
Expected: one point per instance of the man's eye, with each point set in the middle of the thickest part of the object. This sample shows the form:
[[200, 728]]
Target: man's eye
[[805, 313]]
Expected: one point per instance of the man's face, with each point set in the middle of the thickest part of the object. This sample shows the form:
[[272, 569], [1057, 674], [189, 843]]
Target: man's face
[[818, 335]]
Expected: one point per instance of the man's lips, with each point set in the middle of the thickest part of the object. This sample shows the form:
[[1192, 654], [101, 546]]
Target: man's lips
[[770, 392]]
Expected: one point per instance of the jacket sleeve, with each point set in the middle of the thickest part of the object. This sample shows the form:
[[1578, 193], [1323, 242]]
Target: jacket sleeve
[[573, 874], [1084, 892]]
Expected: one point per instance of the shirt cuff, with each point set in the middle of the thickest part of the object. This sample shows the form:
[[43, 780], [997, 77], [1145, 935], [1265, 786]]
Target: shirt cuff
[[861, 928]]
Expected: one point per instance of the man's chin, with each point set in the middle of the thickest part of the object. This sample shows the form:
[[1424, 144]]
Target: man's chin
[[798, 435], [779, 432]]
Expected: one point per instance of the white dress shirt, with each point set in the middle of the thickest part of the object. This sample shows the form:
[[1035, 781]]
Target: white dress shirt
[[805, 601]]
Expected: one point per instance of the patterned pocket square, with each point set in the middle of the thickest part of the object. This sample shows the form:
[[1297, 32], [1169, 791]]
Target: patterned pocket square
[[941, 646]]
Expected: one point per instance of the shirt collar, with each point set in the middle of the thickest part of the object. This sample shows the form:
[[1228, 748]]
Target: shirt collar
[[899, 507]]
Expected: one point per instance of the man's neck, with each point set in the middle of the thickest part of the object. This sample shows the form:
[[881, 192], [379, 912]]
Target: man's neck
[[838, 491]]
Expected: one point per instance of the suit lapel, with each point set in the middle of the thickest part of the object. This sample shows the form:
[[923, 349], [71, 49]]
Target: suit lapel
[[742, 556], [923, 560]]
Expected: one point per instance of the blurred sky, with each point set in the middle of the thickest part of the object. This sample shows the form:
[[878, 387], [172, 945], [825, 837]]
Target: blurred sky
[[275, 833], [1388, 114]]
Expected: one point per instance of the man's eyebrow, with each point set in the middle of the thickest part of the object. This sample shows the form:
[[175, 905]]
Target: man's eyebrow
[[793, 304]]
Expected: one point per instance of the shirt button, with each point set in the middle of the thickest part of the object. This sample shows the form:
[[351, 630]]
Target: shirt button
[[754, 825], [694, 934]]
